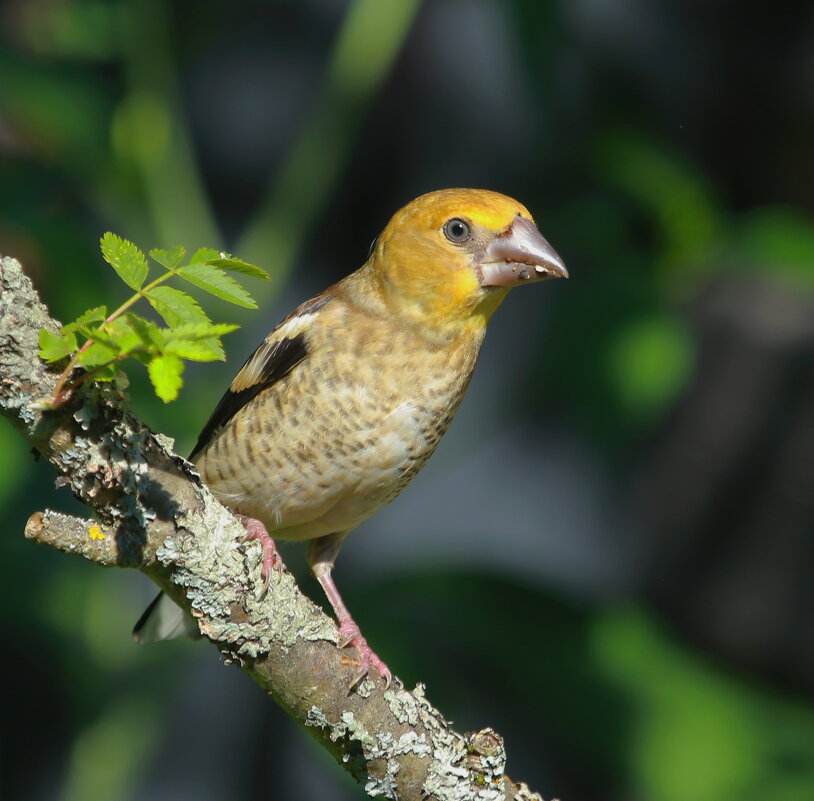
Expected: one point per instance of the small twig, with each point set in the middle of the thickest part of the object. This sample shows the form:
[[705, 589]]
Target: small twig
[[61, 394], [105, 545]]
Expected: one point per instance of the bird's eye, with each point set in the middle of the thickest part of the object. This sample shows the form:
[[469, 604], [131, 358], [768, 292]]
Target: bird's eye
[[457, 230]]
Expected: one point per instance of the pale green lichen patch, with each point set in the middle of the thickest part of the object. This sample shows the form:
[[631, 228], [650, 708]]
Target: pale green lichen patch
[[221, 576], [85, 415], [355, 730], [446, 772], [107, 460], [412, 743], [166, 442], [404, 705], [451, 765], [316, 717], [449, 777], [381, 751], [356, 744], [487, 756], [362, 751]]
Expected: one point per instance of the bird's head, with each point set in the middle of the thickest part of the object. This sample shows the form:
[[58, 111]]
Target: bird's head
[[448, 258]]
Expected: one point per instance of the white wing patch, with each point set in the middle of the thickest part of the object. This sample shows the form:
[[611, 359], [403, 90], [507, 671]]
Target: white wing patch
[[252, 371]]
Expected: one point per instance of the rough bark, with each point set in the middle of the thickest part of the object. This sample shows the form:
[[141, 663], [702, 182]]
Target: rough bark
[[152, 513]]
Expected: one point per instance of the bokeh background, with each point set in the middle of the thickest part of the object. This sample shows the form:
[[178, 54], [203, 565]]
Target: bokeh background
[[609, 560]]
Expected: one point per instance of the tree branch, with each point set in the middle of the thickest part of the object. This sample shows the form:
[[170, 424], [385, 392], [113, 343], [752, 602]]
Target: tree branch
[[152, 513]]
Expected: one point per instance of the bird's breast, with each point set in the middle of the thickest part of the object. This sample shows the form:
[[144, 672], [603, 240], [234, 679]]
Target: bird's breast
[[342, 435]]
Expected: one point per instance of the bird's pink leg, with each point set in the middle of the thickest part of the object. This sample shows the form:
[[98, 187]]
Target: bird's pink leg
[[272, 560], [349, 634], [321, 555]]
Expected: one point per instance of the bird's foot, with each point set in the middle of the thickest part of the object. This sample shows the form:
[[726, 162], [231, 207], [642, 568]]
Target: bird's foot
[[349, 634], [272, 561]]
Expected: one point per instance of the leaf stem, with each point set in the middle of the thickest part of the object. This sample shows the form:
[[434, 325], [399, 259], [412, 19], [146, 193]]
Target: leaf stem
[[61, 392]]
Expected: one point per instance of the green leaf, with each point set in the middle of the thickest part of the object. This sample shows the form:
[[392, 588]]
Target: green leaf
[[90, 316], [126, 335], [149, 333], [165, 373], [239, 266], [96, 355], [168, 258], [217, 283], [201, 343], [108, 373], [201, 350], [118, 335], [203, 255], [201, 331], [126, 259], [175, 306], [54, 347], [110, 335]]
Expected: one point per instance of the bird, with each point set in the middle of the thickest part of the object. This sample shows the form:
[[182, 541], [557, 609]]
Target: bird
[[345, 400]]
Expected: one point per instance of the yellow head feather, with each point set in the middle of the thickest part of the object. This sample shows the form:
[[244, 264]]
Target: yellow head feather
[[431, 280]]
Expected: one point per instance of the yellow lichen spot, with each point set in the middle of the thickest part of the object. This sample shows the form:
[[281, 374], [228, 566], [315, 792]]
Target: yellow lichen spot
[[95, 533]]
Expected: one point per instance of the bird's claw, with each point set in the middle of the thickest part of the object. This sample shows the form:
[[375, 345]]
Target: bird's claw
[[272, 561], [349, 634]]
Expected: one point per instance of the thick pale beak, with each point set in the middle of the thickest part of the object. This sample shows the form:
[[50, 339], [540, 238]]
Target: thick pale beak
[[521, 253]]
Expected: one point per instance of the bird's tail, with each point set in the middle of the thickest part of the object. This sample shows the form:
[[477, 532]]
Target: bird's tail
[[164, 620]]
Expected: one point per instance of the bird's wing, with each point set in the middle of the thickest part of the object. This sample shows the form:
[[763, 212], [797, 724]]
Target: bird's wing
[[279, 353]]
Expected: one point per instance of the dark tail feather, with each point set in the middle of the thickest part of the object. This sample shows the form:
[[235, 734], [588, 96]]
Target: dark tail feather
[[164, 620]]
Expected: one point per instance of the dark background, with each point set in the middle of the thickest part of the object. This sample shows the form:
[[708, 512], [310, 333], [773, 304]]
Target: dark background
[[610, 558]]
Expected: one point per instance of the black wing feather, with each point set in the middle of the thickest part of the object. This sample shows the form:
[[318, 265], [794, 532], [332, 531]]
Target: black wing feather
[[283, 356]]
